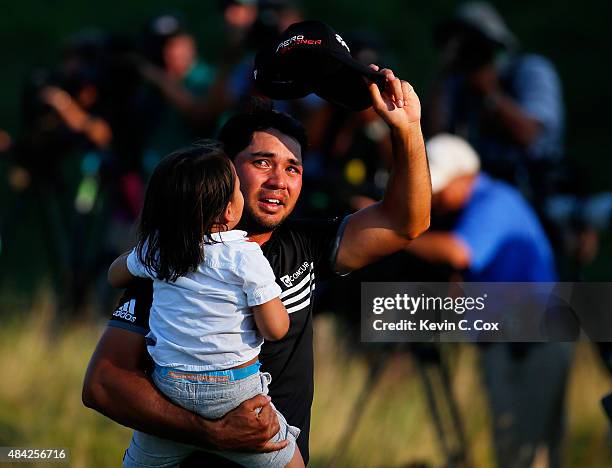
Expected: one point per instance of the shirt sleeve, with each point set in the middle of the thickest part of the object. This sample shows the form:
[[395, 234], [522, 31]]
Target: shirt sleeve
[[135, 266], [538, 91], [482, 241], [323, 241], [132, 312], [259, 282]]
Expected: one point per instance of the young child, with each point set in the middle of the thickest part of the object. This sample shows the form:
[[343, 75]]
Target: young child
[[214, 300]]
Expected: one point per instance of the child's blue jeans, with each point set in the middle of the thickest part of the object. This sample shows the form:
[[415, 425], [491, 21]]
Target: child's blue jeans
[[211, 395]]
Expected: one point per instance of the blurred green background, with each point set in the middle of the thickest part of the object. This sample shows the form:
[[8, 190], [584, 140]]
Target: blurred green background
[[37, 355], [575, 36]]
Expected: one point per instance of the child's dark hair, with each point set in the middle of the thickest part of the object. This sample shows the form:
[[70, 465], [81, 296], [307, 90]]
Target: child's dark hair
[[188, 192]]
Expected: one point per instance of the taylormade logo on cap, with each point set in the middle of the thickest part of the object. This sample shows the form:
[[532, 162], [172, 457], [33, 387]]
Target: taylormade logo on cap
[[341, 41]]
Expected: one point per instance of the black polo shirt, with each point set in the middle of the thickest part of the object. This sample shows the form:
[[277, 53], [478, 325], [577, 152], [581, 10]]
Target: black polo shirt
[[299, 252]]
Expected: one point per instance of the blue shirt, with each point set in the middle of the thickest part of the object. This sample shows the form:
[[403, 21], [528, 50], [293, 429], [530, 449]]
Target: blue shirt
[[505, 238]]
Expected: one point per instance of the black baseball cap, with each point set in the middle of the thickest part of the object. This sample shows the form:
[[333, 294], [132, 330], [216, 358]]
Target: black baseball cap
[[310, 57]]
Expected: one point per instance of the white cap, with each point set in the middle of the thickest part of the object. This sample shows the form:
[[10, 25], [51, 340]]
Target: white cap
[[449, 157]]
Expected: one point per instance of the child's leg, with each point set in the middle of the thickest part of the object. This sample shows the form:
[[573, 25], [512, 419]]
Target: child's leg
[[279, 459], [245, 389], [297, 461], [146, 450], [213, 400]]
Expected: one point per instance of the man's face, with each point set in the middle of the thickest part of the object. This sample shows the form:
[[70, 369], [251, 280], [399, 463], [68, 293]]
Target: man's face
[[179, 55], [270, 173], [453, 198]]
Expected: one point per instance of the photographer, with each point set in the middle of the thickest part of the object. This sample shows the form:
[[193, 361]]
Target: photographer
[[493, 235], [65, 139], [508, 105], [186, 95]]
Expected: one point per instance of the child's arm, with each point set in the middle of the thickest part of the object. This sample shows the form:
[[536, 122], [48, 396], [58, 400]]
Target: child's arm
[[272, 319], [118, 274], [259, 285]]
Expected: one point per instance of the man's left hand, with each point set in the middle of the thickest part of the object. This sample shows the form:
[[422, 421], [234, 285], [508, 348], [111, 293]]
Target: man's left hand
[[485, 80], [397, 104]]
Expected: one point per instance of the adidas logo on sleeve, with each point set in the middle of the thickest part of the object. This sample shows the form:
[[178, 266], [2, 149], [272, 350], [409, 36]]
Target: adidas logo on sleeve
[[126, 311]]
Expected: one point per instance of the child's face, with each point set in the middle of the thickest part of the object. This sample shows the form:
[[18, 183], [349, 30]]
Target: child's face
[[236, 204]]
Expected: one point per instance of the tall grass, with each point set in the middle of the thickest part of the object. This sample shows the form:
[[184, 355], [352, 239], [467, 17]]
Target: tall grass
[[42, 372], [40, 391], [396, 428]]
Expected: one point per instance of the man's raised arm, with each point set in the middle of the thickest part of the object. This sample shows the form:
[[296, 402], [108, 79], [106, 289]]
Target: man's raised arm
[[117, 386], [403, 214]]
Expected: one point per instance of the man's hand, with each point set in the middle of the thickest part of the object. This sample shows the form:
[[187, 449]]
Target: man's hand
[[76, 117], [117, 386], [249, 428], [386, 227], [440, 247], [485, 80], [501, 109], [398, 104]]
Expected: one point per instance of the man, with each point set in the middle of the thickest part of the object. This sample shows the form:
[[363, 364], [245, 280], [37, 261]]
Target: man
[[267, 151], [188, 94], [507, 105], [495, 236]]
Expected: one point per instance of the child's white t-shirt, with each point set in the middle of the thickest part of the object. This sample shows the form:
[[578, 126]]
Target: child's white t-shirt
[[203, 321]]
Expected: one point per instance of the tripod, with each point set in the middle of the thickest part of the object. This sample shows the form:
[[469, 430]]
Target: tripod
[[443, 409]]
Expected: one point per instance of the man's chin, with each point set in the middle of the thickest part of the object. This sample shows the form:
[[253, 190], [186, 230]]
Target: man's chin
[[257, 223]]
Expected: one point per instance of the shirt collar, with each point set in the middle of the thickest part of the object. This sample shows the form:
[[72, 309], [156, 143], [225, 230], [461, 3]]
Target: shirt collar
[[227, 236]]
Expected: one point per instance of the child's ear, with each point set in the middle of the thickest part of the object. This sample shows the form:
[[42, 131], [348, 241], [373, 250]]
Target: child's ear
[[225, 216], [229, 214]]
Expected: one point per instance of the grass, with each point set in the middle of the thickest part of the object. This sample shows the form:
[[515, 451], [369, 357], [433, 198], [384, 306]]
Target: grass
[[40, 394], [397, 430], [43, 368]]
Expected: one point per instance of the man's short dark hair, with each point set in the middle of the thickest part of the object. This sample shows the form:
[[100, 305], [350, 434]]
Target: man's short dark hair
[[237, 132]]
